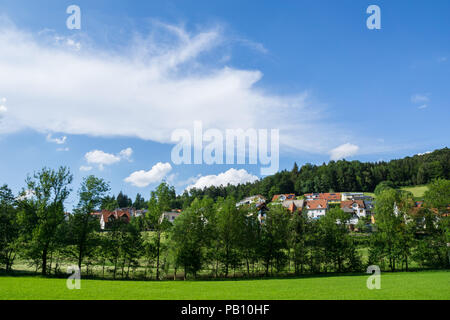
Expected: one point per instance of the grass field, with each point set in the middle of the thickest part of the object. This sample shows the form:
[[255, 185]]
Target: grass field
[[417, 191], [412, 285]]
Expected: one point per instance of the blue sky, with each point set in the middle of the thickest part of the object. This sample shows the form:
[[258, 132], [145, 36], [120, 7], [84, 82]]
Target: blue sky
[[138, 70]]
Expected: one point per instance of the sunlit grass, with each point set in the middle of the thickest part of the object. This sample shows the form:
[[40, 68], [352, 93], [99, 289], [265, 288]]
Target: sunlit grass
[[411, 285]]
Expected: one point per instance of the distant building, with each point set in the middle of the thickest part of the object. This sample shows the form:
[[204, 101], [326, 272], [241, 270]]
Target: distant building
[[171, 215], [316, 208], [330, 197], [283, 197], [108, 217], [256, 200], [293, 205], [311, 196], [352, 196]]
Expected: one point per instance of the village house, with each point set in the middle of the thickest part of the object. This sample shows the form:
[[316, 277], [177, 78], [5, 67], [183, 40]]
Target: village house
[[283, 197], [294, 205], [354, 206], [171, 215], [257, 200], [331, 198], [108, 217], [316, 208], [311, 196], [346, 196]]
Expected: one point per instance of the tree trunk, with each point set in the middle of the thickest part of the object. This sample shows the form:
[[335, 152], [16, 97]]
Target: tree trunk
[[44, 261], [157, 255], [80, 258], [248, 267]]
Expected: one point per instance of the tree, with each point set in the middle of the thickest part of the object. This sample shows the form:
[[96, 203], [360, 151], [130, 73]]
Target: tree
[[394, 236], [109, 203], [274, 236], [438, 195], [336, 242], [123, 201], [298, 230], [82, 224], [139, 202], [228, 230], [190, 234], [433, 251], [159, 203], [49, 190], [384, 185], [9, 231], [249, 227]]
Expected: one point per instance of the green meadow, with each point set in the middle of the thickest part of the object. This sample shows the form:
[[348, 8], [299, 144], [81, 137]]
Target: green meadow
[[394, 286]]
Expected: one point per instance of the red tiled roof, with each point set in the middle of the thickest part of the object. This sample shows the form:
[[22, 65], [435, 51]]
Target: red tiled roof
[[289, 196], [314, 204], [330, 196], [116, 214], [349, 203]]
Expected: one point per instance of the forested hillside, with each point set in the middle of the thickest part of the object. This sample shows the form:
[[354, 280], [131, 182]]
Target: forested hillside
[[339, 176]]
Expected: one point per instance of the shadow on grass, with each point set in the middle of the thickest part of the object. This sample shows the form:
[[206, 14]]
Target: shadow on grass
[[31, 274]]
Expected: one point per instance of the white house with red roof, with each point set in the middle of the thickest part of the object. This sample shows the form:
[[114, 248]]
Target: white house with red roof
[[316, 208]]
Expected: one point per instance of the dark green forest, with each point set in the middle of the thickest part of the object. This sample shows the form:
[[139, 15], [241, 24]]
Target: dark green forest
[[339, 176]]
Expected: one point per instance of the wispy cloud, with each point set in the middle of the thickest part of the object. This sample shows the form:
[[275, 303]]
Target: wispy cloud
[[61, 140], [85, 168], [343, 151], [419, 98], [161, 80]]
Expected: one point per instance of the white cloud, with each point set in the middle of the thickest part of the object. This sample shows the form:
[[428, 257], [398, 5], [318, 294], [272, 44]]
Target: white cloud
[[25, 195], [3, 108], [423, 106], [422, 154], [419, 98], [160, 84], [126, 154], [343, 151], [232, 176], [63, 149], [85, 168], [102, 158], [144, 178], [61, 140]]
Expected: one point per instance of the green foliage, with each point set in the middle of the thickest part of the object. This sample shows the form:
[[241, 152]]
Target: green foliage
[[81, 236], [43, 214], [9, 230], [339, 176]]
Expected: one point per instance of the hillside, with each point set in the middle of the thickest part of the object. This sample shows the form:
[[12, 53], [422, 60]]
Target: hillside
[[334, 176]]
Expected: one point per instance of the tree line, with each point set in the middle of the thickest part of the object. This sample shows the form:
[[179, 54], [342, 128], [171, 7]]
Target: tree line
[[338, 176], [213, 237]]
